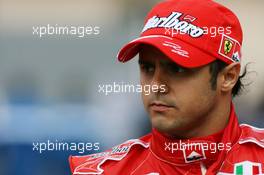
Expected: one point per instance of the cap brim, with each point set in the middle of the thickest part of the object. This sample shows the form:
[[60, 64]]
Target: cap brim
[[182, 53]]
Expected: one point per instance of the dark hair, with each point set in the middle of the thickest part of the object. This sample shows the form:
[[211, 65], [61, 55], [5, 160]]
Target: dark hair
[[216, 67]]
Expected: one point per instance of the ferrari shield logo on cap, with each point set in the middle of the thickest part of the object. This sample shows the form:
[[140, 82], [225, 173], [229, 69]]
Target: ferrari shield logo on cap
[[230, 48]]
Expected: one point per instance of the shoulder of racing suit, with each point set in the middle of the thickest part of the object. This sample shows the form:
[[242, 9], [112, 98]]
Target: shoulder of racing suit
[[248, 149], [91, 164], [251, 134], [246, 157]]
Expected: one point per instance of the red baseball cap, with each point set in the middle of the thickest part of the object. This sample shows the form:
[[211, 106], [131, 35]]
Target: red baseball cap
[[191, 33]]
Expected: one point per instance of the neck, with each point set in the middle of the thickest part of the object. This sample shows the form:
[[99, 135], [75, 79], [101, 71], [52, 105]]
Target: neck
[[215, 121]]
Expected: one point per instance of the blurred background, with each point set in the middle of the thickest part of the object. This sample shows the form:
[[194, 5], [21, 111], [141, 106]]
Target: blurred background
[[49, 85]]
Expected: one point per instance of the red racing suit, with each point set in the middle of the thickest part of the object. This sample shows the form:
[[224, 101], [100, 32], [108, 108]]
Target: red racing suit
[[236, 150]]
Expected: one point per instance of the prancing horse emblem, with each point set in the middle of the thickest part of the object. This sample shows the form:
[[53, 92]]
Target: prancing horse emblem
[[228, 46]]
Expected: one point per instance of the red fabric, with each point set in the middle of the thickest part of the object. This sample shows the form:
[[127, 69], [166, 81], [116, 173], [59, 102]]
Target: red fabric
[[147, 155], [192, 33], [159, 142]]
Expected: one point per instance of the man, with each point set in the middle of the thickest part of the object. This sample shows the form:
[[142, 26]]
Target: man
[[196, 75]]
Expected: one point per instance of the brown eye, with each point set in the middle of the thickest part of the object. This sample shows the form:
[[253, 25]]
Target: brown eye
[[147, 68]]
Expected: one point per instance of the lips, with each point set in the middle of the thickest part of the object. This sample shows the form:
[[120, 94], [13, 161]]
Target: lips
[[160, 106]]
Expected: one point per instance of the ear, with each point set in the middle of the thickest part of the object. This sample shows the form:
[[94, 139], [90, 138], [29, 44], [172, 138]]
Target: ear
[[229, 77]]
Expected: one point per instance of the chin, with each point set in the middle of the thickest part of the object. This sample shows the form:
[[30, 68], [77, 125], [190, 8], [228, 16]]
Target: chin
[[165, 124], [162, 124]]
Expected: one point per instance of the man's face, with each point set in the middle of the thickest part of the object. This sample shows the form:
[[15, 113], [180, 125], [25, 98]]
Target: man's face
[[186, 98]]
